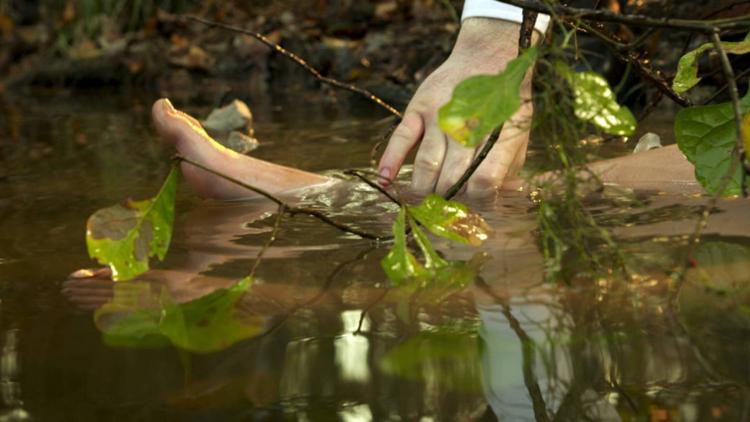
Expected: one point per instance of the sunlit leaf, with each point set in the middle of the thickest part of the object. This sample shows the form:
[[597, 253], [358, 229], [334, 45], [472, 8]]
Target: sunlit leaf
[[450, 358], [687, 68], [125, 236], [210, 323], [451, 220], [481, 103], [594, 102], [707, 136], [400, 265]]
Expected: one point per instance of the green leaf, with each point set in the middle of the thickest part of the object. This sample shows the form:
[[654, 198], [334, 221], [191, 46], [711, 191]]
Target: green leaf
[[124, 237], [687, 68], [481, 103], [210, 323], [400, 265], [451, 220], [746, 133], [594, 102], [707, 136]]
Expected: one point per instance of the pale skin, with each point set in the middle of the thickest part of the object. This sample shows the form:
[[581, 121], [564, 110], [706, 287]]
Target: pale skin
[[484, 46], [664, 169]]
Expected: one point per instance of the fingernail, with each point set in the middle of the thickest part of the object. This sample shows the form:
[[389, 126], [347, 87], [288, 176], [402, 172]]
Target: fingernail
[[170, 107], [385, 175]]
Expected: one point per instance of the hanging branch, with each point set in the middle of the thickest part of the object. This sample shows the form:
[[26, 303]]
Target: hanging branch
[[299, 61], [288, 208], [603, 15], [625, 54], [271, 239]]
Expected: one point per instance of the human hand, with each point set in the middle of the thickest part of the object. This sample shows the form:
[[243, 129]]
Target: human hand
[[484, 46]]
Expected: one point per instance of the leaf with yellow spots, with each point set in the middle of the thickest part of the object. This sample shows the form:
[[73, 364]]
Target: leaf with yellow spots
[[126, 236]]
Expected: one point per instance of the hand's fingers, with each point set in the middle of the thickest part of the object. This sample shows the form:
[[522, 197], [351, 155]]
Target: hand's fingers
[[406, 135], [457, 159], [429, 160], [506, 158]]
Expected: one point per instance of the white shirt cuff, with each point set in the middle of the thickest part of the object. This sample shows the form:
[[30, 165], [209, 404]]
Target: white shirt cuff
[[497, 10]]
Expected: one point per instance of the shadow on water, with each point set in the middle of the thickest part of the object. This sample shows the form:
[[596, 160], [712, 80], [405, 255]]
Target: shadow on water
[[319, 334]]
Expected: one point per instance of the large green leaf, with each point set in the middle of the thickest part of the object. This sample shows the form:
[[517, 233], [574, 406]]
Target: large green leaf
[[707, 136], [594, 102], [211, 323], [482, 103], [687, 68], [125, 236], [451, 220]]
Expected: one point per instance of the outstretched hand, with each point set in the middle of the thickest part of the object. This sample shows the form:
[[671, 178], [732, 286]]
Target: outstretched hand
[[484, 46]]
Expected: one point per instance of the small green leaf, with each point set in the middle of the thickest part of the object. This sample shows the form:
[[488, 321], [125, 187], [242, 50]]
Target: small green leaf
[[210, 323], [451, 220], [400, 265], [594, 102], [124, 237], [746, 133], [481, 103], [687, 68], [707, 136]]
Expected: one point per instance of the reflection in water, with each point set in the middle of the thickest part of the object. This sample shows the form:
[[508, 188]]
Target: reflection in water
[[507, 346]]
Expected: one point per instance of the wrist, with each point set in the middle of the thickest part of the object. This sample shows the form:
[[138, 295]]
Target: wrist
[[486, 42]]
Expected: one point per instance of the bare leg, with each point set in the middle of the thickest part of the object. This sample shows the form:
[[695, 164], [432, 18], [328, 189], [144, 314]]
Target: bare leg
[[190, 140]]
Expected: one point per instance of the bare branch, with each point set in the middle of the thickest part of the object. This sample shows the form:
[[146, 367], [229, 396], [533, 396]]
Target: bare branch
[[278, 201], [299, 61], [603, 15]]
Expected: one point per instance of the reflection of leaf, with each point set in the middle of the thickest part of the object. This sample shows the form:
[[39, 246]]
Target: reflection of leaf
[[481, 103], [131, 319], [451, 220], [594, 102], [124, 237], [138, 318], [687, 68], [208, 324], [707, 135], [449, 358]]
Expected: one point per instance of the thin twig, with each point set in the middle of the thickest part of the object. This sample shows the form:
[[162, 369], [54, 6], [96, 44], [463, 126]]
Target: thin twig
[[725, 86], [271, 239], [739, 148], [603, 15], [359, 174], [289, 209], [299, 61], [456, 188]]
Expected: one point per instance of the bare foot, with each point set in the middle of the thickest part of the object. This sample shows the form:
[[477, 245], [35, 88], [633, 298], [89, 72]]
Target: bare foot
[[191, 141]]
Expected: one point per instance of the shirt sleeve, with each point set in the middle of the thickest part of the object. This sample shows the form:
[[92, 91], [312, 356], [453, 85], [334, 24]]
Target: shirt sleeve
[[497, 10]]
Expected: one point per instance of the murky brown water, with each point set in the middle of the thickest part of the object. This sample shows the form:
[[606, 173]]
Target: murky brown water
[[335, 342]]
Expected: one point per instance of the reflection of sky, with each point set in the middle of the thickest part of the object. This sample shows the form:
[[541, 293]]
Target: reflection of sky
[[351, 349]]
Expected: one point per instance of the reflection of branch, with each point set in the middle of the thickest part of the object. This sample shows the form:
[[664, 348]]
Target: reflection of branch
[[603, 15], [298, 60], [529, 350], [288, 208]]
